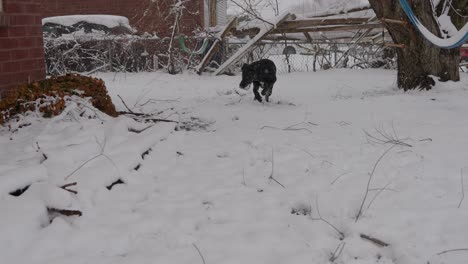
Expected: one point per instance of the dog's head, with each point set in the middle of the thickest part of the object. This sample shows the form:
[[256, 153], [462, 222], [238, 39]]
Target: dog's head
[[248, 75]]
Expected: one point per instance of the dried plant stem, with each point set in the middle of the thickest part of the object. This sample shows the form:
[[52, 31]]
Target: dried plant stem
[[370, 180]]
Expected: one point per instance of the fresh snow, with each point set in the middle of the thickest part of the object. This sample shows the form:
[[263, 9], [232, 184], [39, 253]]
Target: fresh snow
[[328, 7], [109, 21], [214, 191]]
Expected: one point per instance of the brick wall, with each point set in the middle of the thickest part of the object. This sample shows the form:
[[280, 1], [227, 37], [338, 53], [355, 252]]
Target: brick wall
[[145, 15], [21, 46]]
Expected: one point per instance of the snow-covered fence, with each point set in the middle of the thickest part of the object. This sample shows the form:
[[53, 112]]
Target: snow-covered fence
[[302, 56]]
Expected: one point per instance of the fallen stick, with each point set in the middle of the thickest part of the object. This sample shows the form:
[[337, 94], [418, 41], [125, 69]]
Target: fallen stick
[[65, 212], [452, 250], [65, 187], [376, 241]]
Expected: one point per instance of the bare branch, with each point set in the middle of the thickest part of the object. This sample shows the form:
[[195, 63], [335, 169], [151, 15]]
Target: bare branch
[[273, 169], [337, 252], [199, 252], [65, 187], [342, 236], [126, 106], [452, 250], [65, 212], [462, 189], [376, 241]]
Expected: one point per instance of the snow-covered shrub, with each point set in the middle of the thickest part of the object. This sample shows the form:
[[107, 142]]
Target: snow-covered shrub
[[80, 52]]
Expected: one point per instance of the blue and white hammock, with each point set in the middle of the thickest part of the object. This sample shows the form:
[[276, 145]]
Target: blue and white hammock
[[448, 43]]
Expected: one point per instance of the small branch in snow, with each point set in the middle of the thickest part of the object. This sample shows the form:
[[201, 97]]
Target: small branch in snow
[[337, 252], [138, 131], [119, 181], [374, 240], [88, 161], [426, 139], [462, 189], [243, 177], [339, 177], [44, 156], [369, 182], [65, 212], [126, 106], [379, 191], [342, 235], [452, 250], [65, 187], [82, 165], [273, 169], [199, 252], [293, 127], [385, 138], [146, 117]]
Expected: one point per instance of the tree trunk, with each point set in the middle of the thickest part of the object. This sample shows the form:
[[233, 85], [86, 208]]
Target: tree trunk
[[419, 59]]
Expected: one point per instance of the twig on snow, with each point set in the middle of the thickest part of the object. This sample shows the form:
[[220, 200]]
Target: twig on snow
[[426, 139], [293, 127], [89, 160], [44, 156], [374, 240], [385, 137], [337, 252], [65, 187], [65, 212], [199, 252], [243, 177], [379, 191], [462, 189], [452, 250], [342, 235], [273, 169], [126, 106], [369, 181], [339, 177]]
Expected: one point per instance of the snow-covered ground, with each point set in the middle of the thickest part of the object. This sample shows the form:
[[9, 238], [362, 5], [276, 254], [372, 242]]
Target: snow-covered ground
[[237, 181]]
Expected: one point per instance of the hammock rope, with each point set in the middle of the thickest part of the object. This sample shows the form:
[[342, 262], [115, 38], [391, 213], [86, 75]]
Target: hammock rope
[[449, 43], [198, 52]]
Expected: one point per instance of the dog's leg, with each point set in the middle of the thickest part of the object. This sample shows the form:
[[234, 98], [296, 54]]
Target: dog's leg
[[268, 91], [255, 90]]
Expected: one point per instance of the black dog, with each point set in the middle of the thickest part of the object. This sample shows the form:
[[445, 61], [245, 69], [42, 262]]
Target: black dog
[[261, 73]]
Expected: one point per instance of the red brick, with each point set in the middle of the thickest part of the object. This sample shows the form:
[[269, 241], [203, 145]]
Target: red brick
[[19, 54], [5, 78], [22, 20], [16, 31], [36, 53], [28, 65], [5, 56], [25, 42], [3, 32], [12, 66], [8, 44], [12, 8]]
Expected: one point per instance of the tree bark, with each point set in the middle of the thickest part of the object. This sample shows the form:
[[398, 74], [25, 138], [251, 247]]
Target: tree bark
[[419, 59]]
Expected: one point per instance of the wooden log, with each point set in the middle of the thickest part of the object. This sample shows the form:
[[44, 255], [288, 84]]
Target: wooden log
[[321, 22], [250, 45], [328, 28], [215, 47]]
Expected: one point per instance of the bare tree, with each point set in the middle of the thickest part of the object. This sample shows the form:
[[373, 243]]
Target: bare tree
[[418, 59]]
